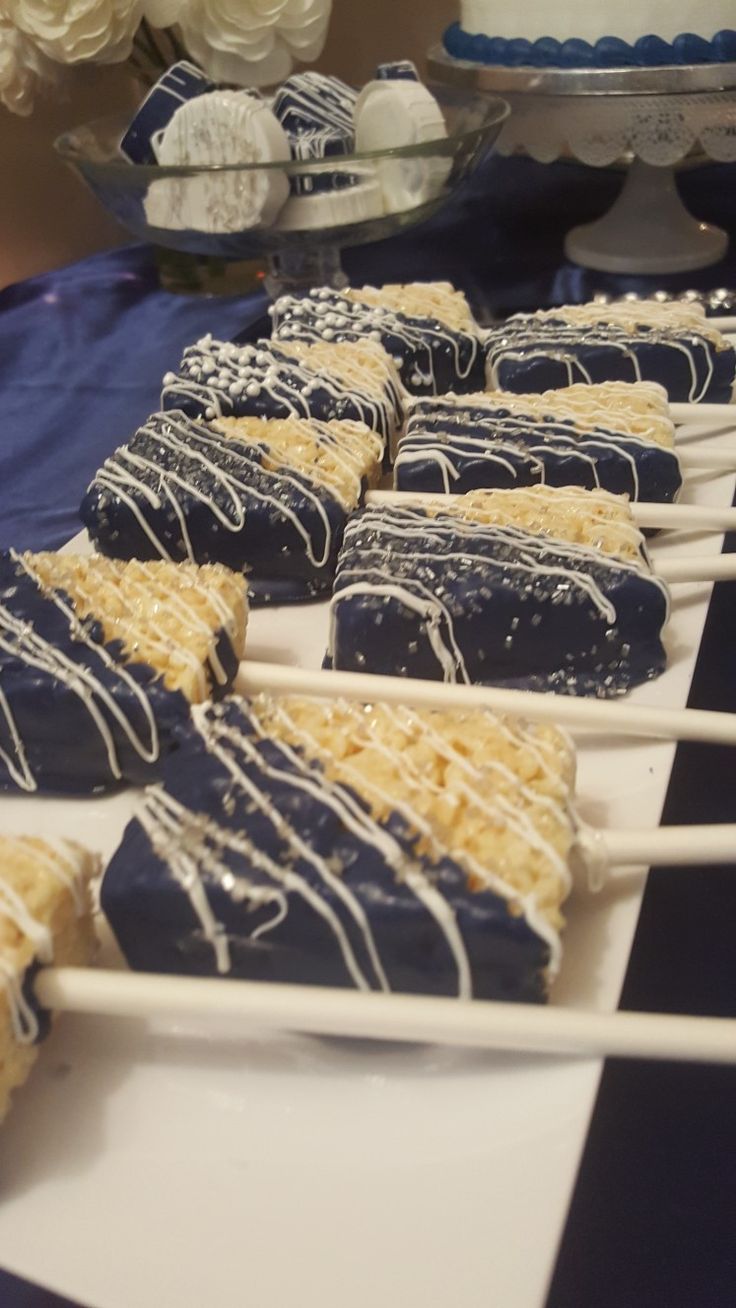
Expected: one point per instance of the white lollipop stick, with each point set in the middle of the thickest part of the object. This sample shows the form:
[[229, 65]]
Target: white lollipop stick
[[686, 517], [691, 517], [621, 719], [691, 459], [722, 567], [686, 846], [723, 414], [601, 848], [318, 1010], [723, 324]]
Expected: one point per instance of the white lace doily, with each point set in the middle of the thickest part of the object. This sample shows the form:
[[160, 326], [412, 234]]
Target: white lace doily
[[599, 130]]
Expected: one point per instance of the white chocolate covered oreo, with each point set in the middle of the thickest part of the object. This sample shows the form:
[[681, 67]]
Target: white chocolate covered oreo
[[357, 203], [401, 112], [220, 128]]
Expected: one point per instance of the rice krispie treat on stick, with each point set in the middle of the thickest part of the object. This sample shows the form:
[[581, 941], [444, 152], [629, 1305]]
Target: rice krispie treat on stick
[[673, 344], [264, 496], [617, 436], [426, 327], [270, 379], [101, 660], [542, 588], [327, 842], [45, 917]]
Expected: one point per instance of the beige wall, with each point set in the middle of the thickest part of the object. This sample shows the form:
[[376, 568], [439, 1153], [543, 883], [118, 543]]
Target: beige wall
[[47, 218]]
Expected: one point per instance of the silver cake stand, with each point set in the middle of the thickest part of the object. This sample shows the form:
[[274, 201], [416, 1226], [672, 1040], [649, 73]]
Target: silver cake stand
[[650, 119]]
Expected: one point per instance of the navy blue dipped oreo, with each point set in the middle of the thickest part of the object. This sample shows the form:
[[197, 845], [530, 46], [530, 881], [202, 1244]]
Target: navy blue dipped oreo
[[316, 112], [399, 70], [183, 81]]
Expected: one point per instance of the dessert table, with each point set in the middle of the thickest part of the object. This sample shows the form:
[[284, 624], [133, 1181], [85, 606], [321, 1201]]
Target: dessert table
[[82, 352]]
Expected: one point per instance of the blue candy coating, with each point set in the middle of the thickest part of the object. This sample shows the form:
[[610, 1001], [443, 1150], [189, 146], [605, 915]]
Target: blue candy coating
[[158, 930], [399, 70], [182, 82], [57, 718]]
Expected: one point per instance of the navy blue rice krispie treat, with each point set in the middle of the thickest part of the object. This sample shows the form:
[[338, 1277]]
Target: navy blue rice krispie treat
[[323, 380], [673, 344], [616, 437], [539, 589], [268, 497], [426, 327], [100, 662], [318, 842]]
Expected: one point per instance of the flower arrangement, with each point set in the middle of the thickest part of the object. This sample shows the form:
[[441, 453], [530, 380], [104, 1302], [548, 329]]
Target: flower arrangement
[[241, 42]]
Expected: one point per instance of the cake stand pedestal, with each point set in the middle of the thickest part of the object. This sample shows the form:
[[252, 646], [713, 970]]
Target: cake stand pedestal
[[648, 118]]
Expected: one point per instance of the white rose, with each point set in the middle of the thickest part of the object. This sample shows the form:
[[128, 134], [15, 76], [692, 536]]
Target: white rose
[[162, 13], [253, 42], [71, 31], [21, 66]]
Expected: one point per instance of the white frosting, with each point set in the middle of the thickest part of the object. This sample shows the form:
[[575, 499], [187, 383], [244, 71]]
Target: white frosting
[[589, 21]]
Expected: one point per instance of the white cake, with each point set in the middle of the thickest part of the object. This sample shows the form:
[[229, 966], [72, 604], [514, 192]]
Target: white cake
[[639, 32]]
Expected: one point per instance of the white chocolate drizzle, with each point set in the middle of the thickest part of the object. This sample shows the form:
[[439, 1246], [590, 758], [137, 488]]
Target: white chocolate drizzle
[[562, 335], [221, 378], [329, 315], [22, 642], [368, 572], [325, 103], [195, 846], [137, 479]]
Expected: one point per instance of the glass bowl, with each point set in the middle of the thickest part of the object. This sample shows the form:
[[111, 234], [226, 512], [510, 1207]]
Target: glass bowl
[[296, 217]]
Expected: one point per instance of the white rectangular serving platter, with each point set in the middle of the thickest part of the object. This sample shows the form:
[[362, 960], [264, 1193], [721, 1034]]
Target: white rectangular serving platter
[[149, 1164]]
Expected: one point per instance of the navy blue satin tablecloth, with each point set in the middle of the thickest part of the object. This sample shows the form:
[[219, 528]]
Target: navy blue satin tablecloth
[[82, 351]]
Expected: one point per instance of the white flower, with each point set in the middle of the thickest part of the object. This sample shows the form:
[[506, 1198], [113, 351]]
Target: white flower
[[253, 42], [21, 66], [162, 13], [71, 31]]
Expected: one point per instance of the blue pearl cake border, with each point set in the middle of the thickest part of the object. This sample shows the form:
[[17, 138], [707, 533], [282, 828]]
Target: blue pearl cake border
[[609, 52]]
